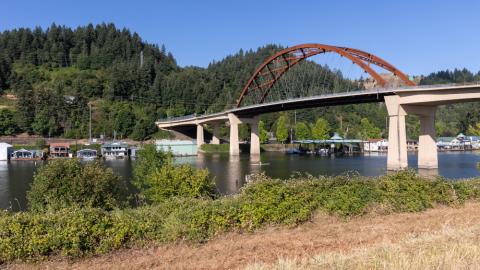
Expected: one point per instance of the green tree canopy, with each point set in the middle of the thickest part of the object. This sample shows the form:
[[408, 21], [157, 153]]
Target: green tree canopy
[[263, 134], [282, 131], [302, 132], [321, 129], [369, 130], [474, 129]]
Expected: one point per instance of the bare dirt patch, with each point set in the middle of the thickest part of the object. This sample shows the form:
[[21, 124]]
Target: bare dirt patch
[[323, 234]]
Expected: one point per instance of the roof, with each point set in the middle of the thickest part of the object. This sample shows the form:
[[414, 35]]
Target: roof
[[336, 137], [60, 144], [2, 144], [115, 144]]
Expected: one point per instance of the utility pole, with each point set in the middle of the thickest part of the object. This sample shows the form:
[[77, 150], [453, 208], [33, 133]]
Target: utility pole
[[90, 124]]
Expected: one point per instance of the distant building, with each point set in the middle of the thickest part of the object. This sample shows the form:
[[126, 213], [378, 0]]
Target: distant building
[[461, 142], [376, 145], [24, 154], [60, 150], [6, 151], [87, 154], [115, 150], [177, 147]]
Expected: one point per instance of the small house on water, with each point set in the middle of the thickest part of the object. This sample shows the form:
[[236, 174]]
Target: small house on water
[[87, 154], [177, 147], [24, 154], [60, 150], [115, 150]]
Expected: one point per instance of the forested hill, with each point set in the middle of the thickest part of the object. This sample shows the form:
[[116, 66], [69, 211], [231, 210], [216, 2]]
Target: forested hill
[[48, 78]]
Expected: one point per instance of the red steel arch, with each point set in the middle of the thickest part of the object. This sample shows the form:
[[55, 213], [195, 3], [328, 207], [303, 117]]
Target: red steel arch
[[275, 66]]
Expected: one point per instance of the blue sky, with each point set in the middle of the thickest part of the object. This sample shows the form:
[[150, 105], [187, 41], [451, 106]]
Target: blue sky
[[418, 37]]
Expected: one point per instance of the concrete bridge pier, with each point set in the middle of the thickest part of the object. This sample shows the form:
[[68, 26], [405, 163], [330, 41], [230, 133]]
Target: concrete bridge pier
[[397, 142], [254, 136], [200, 138], [397, 138], [234, 121], [427, 148], [216, 134]]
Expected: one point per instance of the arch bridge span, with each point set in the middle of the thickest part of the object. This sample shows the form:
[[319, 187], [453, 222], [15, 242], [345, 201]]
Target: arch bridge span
[[400, 101]]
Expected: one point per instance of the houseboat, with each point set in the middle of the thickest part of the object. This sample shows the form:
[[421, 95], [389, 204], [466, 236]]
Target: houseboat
[[24, 154], [115, 150], [87, 154], [60, 150], [6, 151]]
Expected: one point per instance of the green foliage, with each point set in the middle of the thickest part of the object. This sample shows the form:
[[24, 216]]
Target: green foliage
[[76, 232], [474, 130], [263, 133], [67, 183], [321, 129], [215, 148], [369, 130], [178, 181], [302, 132], [148, 160], [281, 131], [8, 126]]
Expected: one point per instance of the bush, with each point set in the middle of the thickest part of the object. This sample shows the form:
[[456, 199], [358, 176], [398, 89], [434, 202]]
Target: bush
[[158, 179], [66, 182], [215, 148]]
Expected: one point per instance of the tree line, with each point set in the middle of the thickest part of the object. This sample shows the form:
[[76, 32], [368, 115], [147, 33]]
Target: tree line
[[54, 75]]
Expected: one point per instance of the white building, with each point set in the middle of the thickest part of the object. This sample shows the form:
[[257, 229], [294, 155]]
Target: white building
[[6, 151], [376, 145]]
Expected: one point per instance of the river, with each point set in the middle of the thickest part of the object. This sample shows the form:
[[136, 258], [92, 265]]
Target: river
[[229, 172]]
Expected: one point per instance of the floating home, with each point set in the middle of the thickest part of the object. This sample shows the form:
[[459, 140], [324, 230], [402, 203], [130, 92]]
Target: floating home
[[6, 151], [24, 154], [325, 147], [115, 150], [60, 150], [177, 147], [87, 154]]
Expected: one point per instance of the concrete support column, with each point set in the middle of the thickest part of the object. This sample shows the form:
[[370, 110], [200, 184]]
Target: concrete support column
[[216, 134], [234, 144], [397, 138], [427, 148], [200, 138], [254, 137]]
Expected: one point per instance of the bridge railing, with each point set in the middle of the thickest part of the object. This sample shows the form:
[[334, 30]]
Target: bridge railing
[[177, 118]]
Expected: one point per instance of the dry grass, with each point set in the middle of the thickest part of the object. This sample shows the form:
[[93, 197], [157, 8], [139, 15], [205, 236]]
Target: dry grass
[[449, 248], [440, 238]]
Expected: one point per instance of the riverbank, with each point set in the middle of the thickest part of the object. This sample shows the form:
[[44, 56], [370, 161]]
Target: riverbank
[[445, 237], [82, 232]]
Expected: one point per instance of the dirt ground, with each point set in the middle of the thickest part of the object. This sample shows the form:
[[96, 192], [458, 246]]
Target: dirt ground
[[235, 251]]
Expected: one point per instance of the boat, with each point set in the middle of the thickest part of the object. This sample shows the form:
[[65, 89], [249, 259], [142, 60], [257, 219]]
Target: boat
[[293, 151]]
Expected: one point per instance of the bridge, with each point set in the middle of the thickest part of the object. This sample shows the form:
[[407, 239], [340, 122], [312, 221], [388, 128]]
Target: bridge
[[401, 100]]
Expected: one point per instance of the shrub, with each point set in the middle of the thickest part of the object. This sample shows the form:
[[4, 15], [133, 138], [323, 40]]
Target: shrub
[[158, 179], [66, 182], [179, 181]]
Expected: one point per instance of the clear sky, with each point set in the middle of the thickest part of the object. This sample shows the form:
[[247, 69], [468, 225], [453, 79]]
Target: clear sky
[[418, 37]]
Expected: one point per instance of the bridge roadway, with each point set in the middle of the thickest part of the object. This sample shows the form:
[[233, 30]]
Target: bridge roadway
[[418, 100]]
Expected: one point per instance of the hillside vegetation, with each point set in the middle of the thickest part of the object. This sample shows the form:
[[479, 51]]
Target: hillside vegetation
[[54, 73]]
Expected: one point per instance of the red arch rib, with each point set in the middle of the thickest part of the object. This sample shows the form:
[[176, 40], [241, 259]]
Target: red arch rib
[[265, 76]]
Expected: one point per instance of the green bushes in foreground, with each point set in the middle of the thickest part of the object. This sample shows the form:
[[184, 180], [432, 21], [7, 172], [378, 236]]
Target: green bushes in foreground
[[64, 183], [75, 232]]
